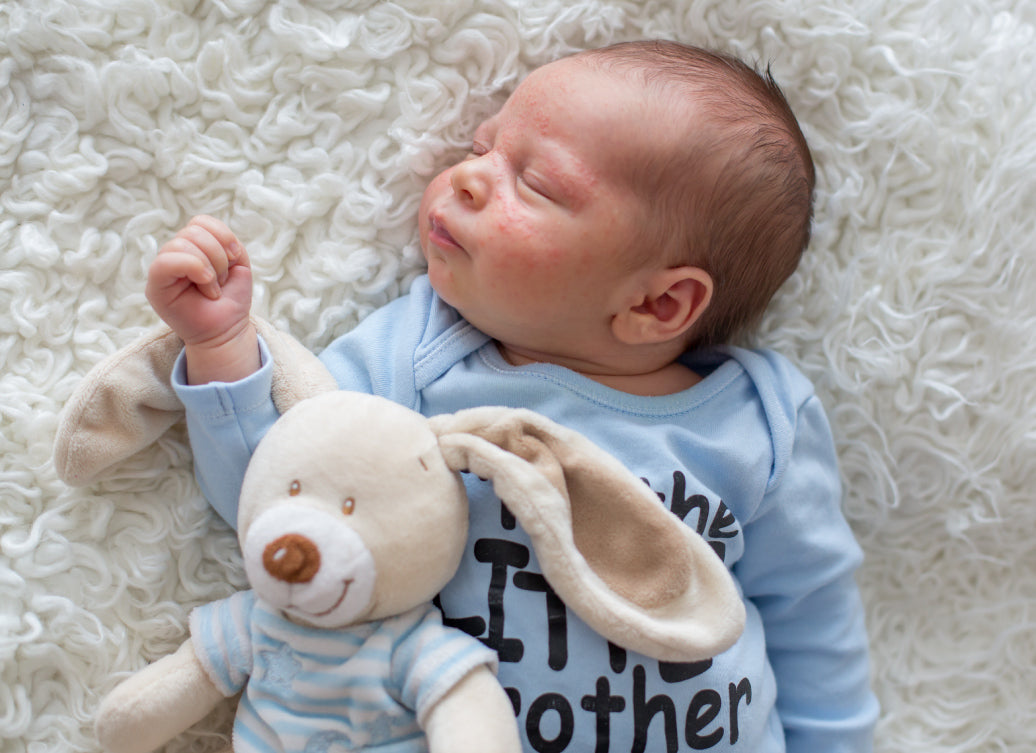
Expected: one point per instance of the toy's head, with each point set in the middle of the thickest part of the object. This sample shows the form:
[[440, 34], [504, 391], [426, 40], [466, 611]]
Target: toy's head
[[349, 512], [352, 507]]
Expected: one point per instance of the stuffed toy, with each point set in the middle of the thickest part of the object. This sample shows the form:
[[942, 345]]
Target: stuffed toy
[[352, 516]]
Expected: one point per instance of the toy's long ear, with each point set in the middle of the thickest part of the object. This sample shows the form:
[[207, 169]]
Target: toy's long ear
[[297, 373], [628, 567], [126, 402]]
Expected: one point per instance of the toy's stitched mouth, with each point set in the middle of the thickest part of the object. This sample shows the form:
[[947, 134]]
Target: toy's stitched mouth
[[333, 607], [345, 590]]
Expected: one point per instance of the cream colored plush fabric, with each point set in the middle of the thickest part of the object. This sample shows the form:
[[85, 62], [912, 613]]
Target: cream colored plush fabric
[[604, 544], [312, 126], [126, 402]]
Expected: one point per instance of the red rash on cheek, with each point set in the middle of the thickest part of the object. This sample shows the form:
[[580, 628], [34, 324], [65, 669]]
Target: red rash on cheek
[[532, 245], [509, 219]]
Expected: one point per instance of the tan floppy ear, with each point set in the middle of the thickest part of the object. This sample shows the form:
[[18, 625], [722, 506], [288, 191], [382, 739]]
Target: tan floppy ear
[[122, 405], [297, 373], [621, 561], [126, 402]]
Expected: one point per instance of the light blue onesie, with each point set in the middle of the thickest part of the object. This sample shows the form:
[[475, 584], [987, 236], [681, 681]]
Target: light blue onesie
[[745, 457]]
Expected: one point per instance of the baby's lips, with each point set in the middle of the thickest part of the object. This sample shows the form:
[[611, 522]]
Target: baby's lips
[[441, 235]]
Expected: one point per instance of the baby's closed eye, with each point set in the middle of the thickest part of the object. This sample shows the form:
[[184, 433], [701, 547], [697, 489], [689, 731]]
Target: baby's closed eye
[[534, 184]]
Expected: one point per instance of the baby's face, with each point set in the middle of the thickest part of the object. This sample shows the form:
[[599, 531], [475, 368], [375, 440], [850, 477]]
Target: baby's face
[[532, 237]]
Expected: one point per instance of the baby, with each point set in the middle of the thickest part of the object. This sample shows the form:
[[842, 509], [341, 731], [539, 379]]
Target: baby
[[627, 212]]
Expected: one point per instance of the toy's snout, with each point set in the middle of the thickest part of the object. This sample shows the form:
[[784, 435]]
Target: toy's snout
[[310, 563], [292, 558]]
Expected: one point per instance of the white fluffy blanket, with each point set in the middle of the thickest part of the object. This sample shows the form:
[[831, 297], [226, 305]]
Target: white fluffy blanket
[[311, 128]]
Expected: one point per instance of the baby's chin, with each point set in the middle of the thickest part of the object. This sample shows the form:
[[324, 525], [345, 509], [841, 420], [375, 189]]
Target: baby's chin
[[438, 278]]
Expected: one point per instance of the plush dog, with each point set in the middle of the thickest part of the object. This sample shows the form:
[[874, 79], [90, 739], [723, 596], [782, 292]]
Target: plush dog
[[352, 517]]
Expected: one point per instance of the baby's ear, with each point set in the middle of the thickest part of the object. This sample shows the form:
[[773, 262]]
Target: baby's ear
[[609, 549], [672, 301]]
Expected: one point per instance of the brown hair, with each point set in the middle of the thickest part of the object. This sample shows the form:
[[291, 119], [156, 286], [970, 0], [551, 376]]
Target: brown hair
[[736, 196]]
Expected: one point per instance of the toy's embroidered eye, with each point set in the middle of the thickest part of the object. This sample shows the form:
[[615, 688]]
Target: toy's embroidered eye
[[349, 506], [295, 489]]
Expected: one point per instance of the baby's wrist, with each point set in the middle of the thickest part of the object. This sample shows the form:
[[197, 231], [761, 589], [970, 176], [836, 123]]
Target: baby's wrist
[[229, 360]]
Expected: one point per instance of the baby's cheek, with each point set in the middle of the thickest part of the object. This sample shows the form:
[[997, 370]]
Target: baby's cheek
[[509, 221], [533, 259], [549, 260], [435, 188], [533, 245]]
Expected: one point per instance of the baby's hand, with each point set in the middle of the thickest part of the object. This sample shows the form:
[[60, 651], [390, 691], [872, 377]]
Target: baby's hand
[[200, 284]]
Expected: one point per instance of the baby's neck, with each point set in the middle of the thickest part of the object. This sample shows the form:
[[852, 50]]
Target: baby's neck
[[667, 379]]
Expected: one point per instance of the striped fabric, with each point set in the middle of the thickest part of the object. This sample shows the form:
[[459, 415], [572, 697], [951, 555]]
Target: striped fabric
[[316, 690]]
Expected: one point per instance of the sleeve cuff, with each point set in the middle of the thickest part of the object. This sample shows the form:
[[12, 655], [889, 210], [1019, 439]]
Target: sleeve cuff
[[217, 400]]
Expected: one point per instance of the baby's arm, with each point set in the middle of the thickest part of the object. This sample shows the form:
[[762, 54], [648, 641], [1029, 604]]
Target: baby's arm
[[226, 421], [798, 569], [200, 284]]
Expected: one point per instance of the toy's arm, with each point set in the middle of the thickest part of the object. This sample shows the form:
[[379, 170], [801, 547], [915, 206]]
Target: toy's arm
[[476, 715], [156, 704]]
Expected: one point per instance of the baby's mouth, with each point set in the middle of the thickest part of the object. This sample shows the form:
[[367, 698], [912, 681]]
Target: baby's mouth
[[439, 235]]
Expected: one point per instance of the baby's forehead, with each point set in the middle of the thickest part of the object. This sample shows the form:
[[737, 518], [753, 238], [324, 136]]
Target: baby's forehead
[[600, 106]]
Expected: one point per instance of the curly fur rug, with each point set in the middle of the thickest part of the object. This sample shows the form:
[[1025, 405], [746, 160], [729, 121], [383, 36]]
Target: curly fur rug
[[311, 126]]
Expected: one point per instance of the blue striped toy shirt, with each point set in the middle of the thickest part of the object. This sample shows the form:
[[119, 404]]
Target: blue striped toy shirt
[[307, 689]]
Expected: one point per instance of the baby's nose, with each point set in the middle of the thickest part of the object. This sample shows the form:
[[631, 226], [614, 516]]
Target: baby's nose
[[472, 180]]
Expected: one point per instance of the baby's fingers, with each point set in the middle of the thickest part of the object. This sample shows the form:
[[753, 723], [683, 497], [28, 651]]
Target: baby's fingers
[[196, 239], [206, 250], [179, 261], [221, 233]]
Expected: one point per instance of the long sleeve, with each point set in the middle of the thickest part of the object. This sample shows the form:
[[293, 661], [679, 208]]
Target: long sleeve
[[225, 423], [798, 570]]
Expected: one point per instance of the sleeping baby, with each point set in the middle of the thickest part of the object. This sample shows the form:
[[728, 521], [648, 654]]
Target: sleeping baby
[[625, 215]]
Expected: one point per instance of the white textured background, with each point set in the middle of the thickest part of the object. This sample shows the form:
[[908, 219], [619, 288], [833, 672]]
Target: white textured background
[[311, 128]]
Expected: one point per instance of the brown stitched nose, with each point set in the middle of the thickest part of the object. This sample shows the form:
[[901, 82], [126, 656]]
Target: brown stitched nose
[[292, 558]]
